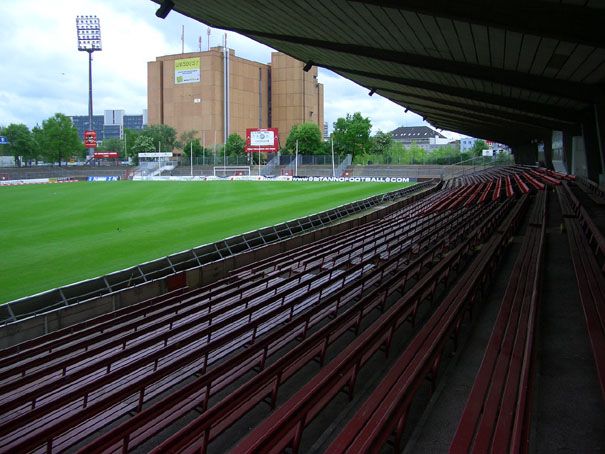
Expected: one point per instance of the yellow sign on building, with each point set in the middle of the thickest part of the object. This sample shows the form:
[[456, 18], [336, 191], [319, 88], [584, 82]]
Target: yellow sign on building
[[187, 70]]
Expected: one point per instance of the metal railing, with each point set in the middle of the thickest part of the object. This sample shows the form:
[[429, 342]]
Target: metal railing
[[475, 165]]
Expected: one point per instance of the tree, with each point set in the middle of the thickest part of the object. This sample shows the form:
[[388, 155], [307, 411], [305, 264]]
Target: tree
[[113, 144], [236, 146], [185, 139], [195, 147], [381, 142], [478, 148], [143, 144], [417, 154], [352, 134], [309, 139], [162, 136], [58, 139], [130, 137], [445, 155], [21, 143]]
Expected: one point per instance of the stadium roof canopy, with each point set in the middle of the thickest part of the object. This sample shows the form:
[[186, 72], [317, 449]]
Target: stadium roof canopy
[[506, 70]]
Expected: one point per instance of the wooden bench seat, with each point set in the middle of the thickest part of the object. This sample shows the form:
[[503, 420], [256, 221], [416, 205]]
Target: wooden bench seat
[[382, 417], [591, 286], [497, 409]]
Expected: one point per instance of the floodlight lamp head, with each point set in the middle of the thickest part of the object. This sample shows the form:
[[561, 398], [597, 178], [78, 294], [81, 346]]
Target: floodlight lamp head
[[164, 9], [308, 66], [89, 33]]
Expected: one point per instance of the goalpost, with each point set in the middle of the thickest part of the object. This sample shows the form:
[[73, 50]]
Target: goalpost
[[231, 171]]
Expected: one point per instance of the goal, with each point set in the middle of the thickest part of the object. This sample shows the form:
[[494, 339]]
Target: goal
[[231, 171]]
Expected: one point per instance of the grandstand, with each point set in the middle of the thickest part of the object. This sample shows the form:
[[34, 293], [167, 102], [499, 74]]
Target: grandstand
[[463, 315]]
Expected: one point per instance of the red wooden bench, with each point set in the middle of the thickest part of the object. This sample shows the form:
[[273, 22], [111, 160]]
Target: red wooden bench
[[92, 408], [497, 409], [285, 426], [496, 194], [596, 240], [384, 413], [591, 286]]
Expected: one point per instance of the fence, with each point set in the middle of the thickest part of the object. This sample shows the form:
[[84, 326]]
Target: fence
[[477, 164]]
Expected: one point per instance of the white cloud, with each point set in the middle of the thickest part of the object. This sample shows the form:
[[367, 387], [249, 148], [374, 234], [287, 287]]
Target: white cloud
[[42, 72]]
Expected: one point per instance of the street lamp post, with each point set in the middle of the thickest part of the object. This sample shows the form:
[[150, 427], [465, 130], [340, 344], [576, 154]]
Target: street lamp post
[[89, 40]]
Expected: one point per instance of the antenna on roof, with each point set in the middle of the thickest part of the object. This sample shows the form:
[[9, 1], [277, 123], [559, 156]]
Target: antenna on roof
[[208, 31]]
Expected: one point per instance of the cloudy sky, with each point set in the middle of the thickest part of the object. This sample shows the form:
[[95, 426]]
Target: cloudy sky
[[42, 72]]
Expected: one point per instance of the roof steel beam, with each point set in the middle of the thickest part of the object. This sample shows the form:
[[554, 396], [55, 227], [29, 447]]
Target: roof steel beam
[[479, 119], [552, 123], [576, 24], [566, 89], [509, 137], [503, 101]]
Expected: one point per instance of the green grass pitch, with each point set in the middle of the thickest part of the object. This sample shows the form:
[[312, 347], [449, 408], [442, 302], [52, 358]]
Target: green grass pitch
[[52, 235]]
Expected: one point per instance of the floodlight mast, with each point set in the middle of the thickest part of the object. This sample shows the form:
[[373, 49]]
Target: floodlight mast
[[89, 40]]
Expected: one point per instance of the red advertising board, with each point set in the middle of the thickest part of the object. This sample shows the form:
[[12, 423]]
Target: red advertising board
[[262, 140], [90, 139], [105, 154]]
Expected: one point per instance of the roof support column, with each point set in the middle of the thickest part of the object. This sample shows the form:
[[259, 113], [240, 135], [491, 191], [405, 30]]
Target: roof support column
[[599, 113], [568, 150], [593, 141], [548, 152]]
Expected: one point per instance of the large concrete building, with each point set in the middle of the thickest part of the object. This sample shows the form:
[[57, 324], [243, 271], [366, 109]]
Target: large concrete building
[[216, 93]]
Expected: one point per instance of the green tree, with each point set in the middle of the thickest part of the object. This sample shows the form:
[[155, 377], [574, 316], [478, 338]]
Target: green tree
[[445, 155], [162, 136], [113, 144], [185, 139], [130, 137], [236, 146], [309, 139], [381, 142], [194, 146], [21, 143], [478, 148], [352, 134], [142, 144], [58, 139], [417, 155]]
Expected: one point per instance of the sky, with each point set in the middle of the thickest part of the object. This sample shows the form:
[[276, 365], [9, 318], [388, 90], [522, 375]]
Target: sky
[[42, 72]]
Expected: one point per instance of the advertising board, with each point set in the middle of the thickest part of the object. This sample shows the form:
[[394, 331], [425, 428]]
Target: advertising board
[[105, 154], [262, 140], [161, 154], [187, 70], [90, 139]]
